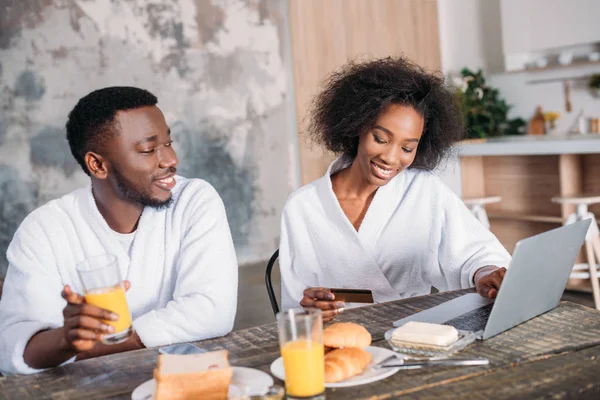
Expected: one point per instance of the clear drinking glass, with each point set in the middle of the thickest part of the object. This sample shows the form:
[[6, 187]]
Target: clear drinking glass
[[104, 288], [301, 344]]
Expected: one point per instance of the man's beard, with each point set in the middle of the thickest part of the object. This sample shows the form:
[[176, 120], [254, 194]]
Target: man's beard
[[132, 193]]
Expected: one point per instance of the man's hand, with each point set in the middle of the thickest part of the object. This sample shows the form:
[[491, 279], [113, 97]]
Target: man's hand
[[488, 280], [79, 336], [322, 298], [84, 324]]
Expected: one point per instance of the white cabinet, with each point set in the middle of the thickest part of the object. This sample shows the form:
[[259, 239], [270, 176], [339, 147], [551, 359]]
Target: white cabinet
[[536, 25]]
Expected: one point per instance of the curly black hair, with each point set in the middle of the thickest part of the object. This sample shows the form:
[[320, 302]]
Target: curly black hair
[[354, 97], [91, 122]]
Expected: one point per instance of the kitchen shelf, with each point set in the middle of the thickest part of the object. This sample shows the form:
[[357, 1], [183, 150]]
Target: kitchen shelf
[[580, 70], [585, 77], [527, 145], [554, 67]]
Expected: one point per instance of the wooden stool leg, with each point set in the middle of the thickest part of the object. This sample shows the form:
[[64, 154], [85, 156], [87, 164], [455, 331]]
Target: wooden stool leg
[[589, 249], [596, 245]]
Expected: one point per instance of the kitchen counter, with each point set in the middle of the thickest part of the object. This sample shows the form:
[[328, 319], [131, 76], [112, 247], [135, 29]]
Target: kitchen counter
[[531, 145], [526, 172]]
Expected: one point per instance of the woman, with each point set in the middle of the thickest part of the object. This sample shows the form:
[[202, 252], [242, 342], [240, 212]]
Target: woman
[[379, 219]]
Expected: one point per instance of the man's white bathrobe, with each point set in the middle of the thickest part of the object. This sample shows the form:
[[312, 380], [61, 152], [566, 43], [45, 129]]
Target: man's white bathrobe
[[416, 234], [183, 269]]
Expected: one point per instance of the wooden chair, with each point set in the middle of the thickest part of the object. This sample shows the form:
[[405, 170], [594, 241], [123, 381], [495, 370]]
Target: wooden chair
[[269, 283], [477, 207], [592, 239]]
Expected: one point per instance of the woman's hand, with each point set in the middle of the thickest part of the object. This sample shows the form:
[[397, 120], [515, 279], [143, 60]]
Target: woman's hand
[[325, 300], [488, 280]]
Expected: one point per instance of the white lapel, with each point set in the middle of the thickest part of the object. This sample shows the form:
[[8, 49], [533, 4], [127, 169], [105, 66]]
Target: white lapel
[[145, 269], [147, 265], [103, 234], [361, 265], [380, 212]]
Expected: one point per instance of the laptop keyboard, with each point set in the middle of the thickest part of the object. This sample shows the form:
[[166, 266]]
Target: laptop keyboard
[[473, 320]]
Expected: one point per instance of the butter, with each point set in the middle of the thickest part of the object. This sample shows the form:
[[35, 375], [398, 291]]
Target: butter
[[426, 333]]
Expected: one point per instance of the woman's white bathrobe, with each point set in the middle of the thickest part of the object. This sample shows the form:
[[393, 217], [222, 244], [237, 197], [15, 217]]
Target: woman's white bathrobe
[[416, 234], [183, 269]]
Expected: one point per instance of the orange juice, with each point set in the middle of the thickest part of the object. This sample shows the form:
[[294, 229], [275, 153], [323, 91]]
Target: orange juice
[[304, 365], [112, 299]]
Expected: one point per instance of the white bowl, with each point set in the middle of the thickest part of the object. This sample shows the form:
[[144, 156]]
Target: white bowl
[[541, 62], [565, 58]]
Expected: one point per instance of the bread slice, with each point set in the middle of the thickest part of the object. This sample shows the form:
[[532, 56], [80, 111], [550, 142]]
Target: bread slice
[[193, 376], [341, 364], [346, 334], [425, 333]]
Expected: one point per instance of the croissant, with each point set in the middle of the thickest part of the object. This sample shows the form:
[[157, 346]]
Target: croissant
[[341, 364], [346, 334]]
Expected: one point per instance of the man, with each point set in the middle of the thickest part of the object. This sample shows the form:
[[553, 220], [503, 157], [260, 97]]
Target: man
[[169, 234]]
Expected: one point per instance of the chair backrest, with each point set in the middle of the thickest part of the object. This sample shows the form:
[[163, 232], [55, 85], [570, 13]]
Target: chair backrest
[[269, 283]]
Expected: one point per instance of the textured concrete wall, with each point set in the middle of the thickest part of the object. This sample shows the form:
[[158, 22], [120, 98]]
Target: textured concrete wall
[[219, 68]]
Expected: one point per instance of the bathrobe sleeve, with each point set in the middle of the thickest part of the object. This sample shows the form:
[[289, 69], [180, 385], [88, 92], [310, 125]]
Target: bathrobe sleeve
[[31, 299], [205, 295], [465, 245], [292, 284]]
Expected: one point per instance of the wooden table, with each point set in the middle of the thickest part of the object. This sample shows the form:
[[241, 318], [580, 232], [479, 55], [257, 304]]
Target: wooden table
[[556, 355]]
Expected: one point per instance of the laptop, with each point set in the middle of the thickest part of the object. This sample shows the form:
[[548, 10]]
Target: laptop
[[533, 284]]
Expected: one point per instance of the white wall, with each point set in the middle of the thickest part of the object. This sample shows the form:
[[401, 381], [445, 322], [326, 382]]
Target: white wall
[[558, 23], [470, 35]]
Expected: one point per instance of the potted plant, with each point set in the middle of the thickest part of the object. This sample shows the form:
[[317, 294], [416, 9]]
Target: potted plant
[[484, 112], [594, 84]]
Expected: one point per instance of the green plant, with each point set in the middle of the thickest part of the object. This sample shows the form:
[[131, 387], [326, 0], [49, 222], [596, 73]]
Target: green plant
[[594, 82], [484, 112]]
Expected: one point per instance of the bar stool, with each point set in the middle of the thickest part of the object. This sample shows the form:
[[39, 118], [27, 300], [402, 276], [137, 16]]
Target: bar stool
[[592, 239], [476, 205]]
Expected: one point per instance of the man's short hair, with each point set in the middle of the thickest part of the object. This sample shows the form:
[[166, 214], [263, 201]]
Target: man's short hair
[[91, 122]]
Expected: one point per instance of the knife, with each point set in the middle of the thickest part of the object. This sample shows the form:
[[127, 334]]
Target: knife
[[414, 364]]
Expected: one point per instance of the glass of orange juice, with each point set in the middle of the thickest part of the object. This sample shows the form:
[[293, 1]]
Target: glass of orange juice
[[104, 288], [301, 344]]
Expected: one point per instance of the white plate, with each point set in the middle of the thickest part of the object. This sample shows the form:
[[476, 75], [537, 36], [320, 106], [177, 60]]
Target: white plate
[[249, 381], [370, 375]]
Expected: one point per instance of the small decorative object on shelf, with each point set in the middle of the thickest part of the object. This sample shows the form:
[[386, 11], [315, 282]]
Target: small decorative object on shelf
[[565, 58], [567, 88], [484, 112], [595, 125], [551, 117], [541, 62], [537, 124], [594, 84]]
